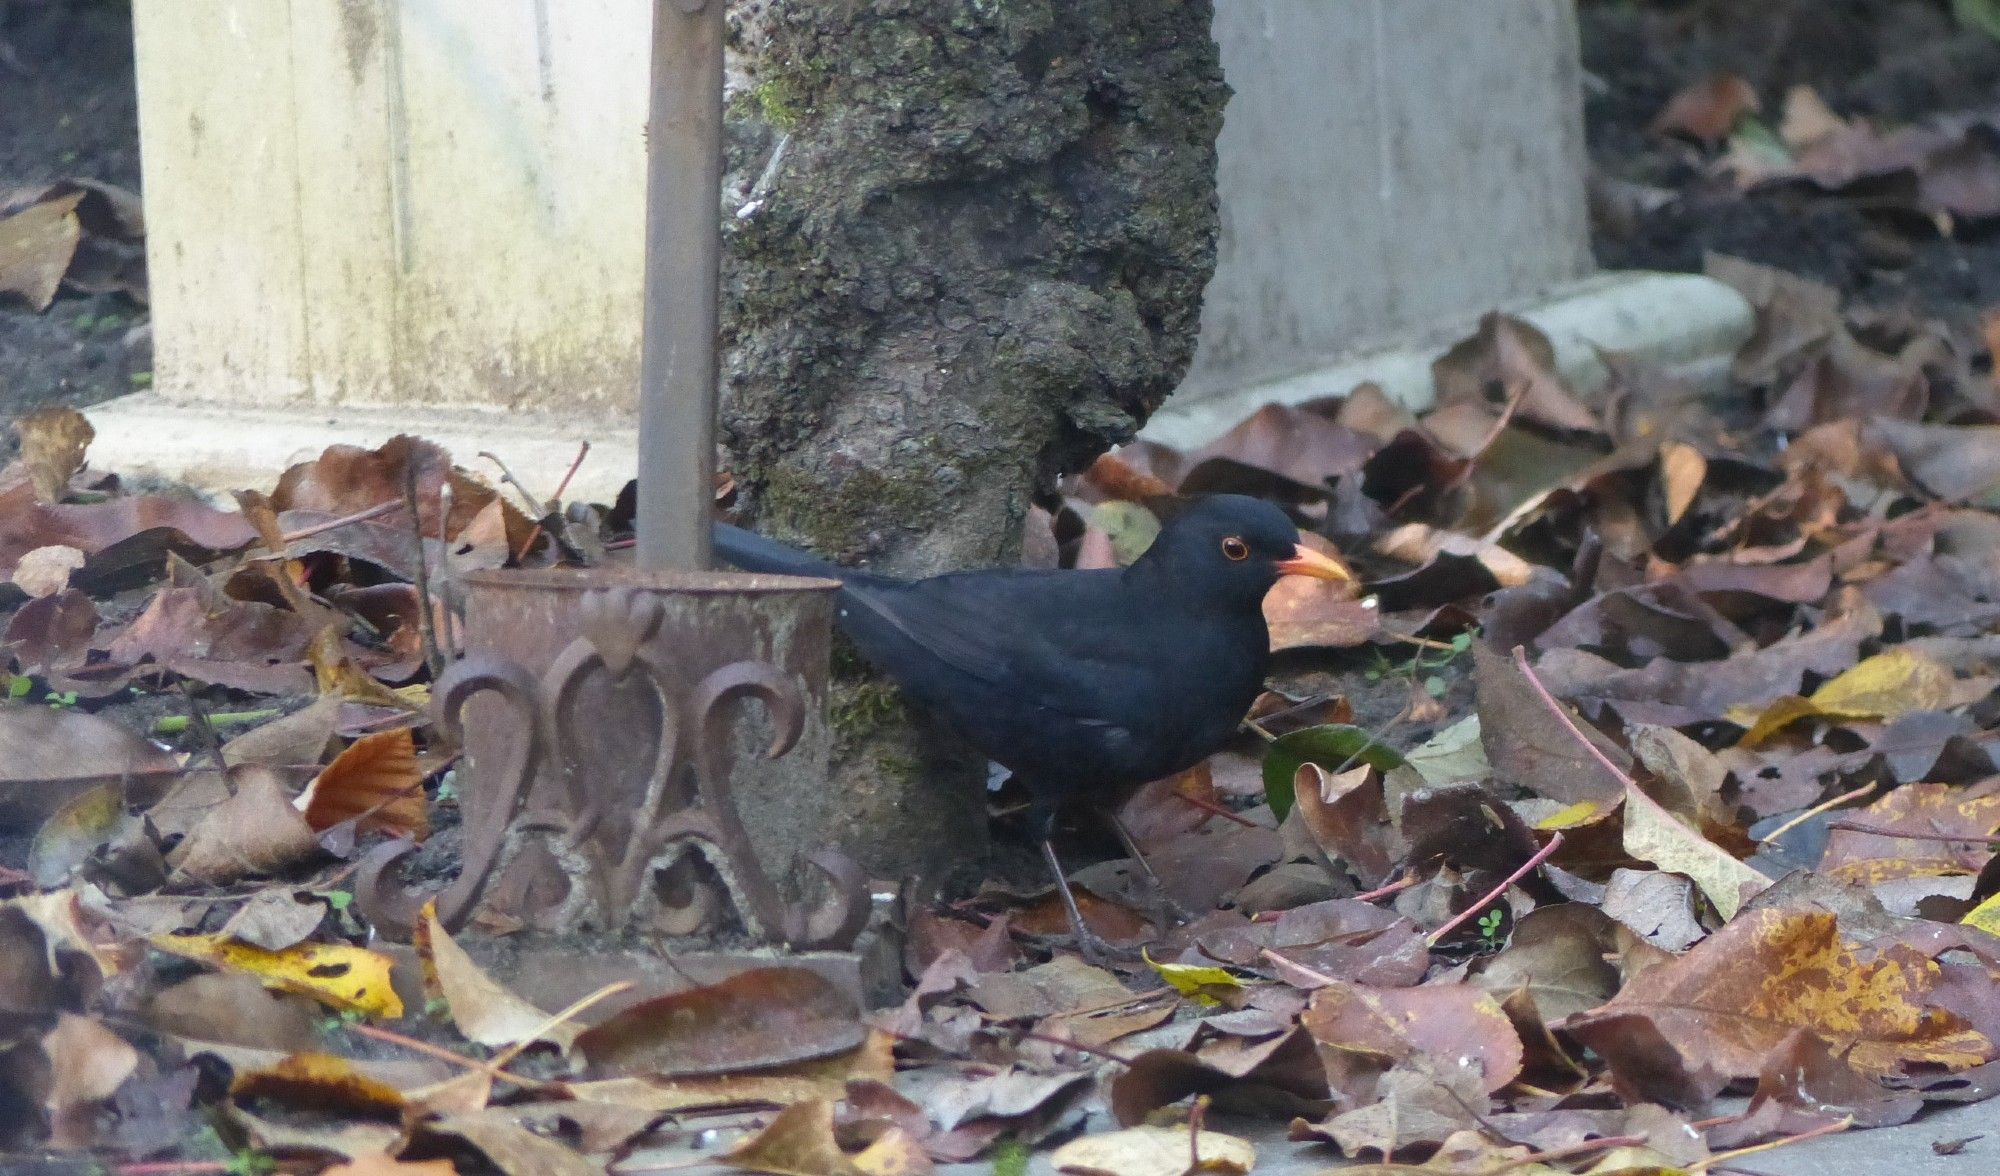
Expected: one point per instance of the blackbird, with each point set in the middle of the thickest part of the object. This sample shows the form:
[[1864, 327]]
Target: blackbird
[[1079, 681]]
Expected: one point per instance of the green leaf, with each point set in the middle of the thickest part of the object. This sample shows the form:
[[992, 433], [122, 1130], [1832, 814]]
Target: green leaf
[[1435, 686], [18, 686], [1983, 15], [1131, 527], [1331, 747]]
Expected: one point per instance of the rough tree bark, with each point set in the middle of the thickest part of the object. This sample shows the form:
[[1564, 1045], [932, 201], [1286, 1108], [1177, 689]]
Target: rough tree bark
[[967, 242]]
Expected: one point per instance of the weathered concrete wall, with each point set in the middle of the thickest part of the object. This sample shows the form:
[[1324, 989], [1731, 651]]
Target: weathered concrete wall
[[1387, 166], [395, 202]]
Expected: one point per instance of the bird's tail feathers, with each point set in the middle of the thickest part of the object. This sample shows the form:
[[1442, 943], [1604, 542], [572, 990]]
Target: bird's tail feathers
[[752, 552]]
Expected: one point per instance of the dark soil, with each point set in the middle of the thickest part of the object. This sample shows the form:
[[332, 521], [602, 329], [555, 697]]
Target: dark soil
[[73, 114], [1892, 60]]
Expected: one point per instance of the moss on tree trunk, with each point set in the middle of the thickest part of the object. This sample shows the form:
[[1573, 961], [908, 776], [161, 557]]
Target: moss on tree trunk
[[967, 241]]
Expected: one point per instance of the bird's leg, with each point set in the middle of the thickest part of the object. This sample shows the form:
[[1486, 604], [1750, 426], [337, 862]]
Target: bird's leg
[[1095, 950], [1167, 910]]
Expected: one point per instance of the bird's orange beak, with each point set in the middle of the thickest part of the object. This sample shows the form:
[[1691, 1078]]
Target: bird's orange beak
[[1307, 562]]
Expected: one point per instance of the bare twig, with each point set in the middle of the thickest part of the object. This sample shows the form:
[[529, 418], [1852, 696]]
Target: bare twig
[[1399, 885], [1720, 1157], [1556, 709], [433, 657], [1857, 827], [359, 516], [1541, 855], [555, 503], [1816, 810]]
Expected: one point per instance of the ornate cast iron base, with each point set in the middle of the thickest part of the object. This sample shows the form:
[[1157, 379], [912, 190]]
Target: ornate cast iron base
[[642, 823]]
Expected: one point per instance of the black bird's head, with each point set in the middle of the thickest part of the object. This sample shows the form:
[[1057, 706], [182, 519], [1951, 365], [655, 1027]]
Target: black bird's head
[[1231, 549]]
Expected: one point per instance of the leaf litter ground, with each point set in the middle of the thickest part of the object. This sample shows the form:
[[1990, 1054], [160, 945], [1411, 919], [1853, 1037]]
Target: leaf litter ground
[[1638, 812]]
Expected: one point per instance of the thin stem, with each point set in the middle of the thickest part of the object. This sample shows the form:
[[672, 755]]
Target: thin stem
[[1833, 1128], [1541, 855], [1556, 709], [1401, 884], [359, 516], [1313, 974], [1857, 827], [1816, 810], [562, 488], [178, 724]]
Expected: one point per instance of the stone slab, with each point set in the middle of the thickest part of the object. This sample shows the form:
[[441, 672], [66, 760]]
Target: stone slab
[[224, 447], [1686, 322]]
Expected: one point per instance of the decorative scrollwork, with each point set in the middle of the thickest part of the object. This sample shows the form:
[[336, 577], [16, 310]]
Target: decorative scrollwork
[[620, 860]]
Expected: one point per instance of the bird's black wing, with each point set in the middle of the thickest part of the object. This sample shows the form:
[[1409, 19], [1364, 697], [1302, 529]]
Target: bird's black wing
[[1029, 635]]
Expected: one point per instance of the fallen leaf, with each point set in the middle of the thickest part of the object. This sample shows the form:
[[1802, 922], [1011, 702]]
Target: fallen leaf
[[1929, 812], [275, 919], [1194, 980], [87, 1064], [755, 1019], [351, 979], [1655, 835], [49, 755], [799, 1141], [484, 1011], [1890, 684], [45, 571], [1707, 110], [259, 830], [1155, 1151], [378, 781], [322, 1082], [382, 1164], [53, 442], [36, 246], [1362, 1029], [510, 1147], [1732, 998], [1682, 471], [1335, 747]]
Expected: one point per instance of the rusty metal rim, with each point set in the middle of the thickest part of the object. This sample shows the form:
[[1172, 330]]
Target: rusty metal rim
[[690, 583]]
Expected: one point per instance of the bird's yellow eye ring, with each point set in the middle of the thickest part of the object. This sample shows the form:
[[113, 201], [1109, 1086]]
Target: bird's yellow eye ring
[[1235, 548]]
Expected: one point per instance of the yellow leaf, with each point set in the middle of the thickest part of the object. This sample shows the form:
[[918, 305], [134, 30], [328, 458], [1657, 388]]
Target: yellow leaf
[[1653, 834], [1881, 687], [1155, 1151], [1985, 916], [1201, 983], [1885, 686], [351, 979], [1682, 471], [1583, 812]]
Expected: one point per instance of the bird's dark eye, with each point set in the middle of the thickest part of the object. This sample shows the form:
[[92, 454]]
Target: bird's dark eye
[[1235, 548]]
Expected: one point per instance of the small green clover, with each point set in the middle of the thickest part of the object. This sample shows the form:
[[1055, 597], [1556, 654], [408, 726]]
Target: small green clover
[[1489, 925], [18, 686]]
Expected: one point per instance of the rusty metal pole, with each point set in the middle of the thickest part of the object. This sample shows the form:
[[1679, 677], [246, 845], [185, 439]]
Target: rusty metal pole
[[677, 370]]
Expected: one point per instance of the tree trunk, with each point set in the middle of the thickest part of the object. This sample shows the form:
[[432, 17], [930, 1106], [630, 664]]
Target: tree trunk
[[966, 247]]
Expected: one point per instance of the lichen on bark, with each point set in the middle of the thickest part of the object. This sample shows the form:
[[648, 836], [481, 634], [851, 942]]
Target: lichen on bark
[[966, 242]]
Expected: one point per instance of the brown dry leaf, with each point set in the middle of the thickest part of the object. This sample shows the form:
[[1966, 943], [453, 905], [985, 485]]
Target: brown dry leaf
[[383, 1164], [297, 740], [346, 479], [50, 755], [798, 1142], [276, 919], [1420, 543], [756, 1019], [53, 443], [1506, 358], [351, 979], [1926, 810], [1558, 954], [484, 1011], [826, 1078], [1168, 808], [1421, 1100], [87, 1064], [1732, 998], [1530, 747], [1155, 1151], [510, 1147], [338, 676], [45, 571], [36, 247], [259, 830], [377, 780], [235, 1008], [1348, 818], [320, 1082], [1707, 110], [1460, 1022], [122, 535], [199, 633]]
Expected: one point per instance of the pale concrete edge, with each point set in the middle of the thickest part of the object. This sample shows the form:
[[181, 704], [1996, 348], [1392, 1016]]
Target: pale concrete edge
[[219, 448], [1687, 322]]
